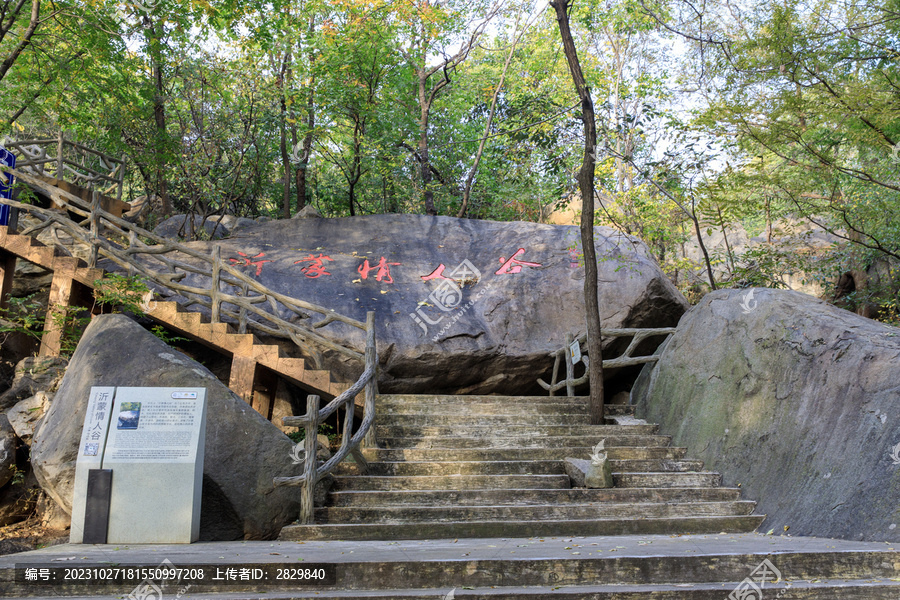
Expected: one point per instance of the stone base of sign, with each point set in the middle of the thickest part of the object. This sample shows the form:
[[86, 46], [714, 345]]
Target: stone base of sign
[[90, 455]]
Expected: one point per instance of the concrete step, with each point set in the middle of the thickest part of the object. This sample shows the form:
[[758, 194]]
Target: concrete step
[[564, 441], [366, 498], [508, 528], [461, 419], [656, 480], [820, 589], [638, 567], [451, 482], [484, 408], [511, 467], [387, 428], [436, 400], [511, 481], [533, 512], [437, 454]]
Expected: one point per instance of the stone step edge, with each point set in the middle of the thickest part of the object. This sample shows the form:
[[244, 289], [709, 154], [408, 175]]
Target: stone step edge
[[603, 504], [645, 490], [608, 506], [540, 461], [662, 438], [583, 450], [681, 474], [482, 529], [851, 589]]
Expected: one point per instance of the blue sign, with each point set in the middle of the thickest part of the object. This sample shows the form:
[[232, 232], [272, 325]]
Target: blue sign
[[7, 159]]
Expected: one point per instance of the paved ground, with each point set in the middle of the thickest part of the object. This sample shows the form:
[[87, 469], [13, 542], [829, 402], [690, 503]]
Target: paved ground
[[211, 553]]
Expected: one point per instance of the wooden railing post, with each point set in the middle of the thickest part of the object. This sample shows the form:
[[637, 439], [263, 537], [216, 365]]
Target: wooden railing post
[[60, 160], [120, 184], [214, 284], [95, 228], [242, 314], [60, 298], [555, 376], [132, 243], [570, 367], [371, 440], [311, 467]]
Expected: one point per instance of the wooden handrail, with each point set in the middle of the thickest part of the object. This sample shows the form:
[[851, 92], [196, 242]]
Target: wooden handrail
[[36, 153], [248, 294], [350, 442], [626, 359]]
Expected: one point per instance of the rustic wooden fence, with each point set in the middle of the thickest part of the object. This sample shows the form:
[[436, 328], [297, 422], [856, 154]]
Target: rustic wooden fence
[[229, 294], [312, 473], [70, 161], [626, 359]]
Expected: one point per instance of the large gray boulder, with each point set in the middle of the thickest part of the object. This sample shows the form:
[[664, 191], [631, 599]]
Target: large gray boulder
[[33, 375], [492, 330], [179, 226], [792, 398], [244, 452], [25, 416]]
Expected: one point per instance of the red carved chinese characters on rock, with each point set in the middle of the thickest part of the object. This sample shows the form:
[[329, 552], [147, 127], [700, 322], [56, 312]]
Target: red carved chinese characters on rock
[[248, 261], [384, 270], [513, 265], [316, 266]]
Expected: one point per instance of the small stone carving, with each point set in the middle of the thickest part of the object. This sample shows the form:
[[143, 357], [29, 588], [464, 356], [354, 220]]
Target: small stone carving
[[599, 474]]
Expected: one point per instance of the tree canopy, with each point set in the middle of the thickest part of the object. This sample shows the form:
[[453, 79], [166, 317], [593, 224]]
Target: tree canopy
[[710, 116]]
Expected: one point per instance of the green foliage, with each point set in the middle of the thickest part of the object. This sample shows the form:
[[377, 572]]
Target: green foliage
[[127, 294], [18, 475], [758, 112], [25, 194], [324, 429], [118, 293], [24, 315], [163, 334], [71, 323]]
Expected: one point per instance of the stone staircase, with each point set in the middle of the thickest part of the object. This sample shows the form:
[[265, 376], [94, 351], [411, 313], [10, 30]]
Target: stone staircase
[[493, 467], [247, 352]]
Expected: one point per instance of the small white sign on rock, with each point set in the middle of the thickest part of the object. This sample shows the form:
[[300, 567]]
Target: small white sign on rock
[[153, 441]]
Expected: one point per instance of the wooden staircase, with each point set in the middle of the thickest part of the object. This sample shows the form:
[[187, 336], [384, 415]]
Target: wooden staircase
[[255, 365], [248, 356]]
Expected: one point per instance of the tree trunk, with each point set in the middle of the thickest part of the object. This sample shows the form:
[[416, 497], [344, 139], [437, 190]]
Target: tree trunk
[[470, 178], [154, 32], [301, 169], [586, 186], [24, 39], [424, 165], [307, 149], [709, 271], [283, 146]]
